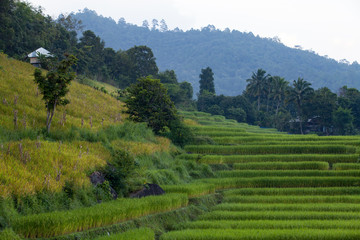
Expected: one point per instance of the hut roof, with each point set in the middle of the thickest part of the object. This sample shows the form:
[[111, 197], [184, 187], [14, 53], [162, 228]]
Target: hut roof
[[42, 51]]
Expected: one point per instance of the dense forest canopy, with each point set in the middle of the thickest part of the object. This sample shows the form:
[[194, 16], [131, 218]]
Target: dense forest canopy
[[233, 55]]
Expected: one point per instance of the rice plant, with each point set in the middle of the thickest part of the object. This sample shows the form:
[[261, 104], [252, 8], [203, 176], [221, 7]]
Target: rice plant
[[282, 166], [220, 159], [64, 222], [283, 173], [259, 234], [294, 191], [138, 234], [270, 149]]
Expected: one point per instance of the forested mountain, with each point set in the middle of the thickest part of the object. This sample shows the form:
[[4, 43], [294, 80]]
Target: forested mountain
[[232, 55]]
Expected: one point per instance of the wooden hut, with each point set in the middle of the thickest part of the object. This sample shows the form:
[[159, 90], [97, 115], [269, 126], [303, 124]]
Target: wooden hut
[[34, 56]]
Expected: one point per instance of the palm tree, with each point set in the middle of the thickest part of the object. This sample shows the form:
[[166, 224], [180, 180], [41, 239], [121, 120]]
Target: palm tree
[[297, 94], [279, 86], [256, 85]]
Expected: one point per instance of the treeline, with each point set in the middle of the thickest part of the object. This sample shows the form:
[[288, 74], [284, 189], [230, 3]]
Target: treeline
[[24, 28], [272, 101]]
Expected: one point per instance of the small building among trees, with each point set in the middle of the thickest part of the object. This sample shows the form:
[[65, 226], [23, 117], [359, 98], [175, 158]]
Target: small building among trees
[[34, 56]]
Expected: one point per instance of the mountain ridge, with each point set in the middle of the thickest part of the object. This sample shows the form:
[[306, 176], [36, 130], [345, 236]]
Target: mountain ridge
[[233, 55]]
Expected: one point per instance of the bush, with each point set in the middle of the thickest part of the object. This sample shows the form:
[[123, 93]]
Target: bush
[[118, 170]]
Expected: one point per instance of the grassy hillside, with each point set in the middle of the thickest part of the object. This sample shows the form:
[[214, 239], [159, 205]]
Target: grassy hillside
[[19, 93], [83, 138]]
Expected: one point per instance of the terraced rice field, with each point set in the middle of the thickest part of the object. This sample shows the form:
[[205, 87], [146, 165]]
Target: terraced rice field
[[276, 186]]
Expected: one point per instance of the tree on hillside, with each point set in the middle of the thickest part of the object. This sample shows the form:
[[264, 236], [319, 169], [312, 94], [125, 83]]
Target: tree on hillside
[[207, 81], [149, 102], [256, 85], [54, 86], [298, 94], [143, 62], [168, 76]]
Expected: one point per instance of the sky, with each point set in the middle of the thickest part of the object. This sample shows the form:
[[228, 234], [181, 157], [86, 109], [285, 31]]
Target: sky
[[327, 27]]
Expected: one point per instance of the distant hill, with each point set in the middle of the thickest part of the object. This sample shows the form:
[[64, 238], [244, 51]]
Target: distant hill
[[232, 55]]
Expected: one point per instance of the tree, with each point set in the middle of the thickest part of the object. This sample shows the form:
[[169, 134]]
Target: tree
[[278, 90], [155, 24], [322, 105], [54, 86], [168, 76], [163, 26], [207, 81], [298, 93], [256, 85], [149, 102], [145, 24], [143, 62], [343, 121]]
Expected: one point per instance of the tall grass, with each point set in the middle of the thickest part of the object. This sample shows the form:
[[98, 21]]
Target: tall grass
[[282, 166], [138, 234], [28, 167], [260, 139], [16, 79], [302, 207], [295, 191], [270, 149], [282, 182], [273, 224], [279, 215], [258, 234], [293, 199], [346, 166], [192, 190], [283, 173], [57, 223], [219, 159]]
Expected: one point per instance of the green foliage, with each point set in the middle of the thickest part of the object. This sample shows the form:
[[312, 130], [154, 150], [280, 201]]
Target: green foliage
[[282, 165], [8, 234], [346, 166], [327, 191], [256, 234], [273, 224], [269, 149], [148, 102], [179, 133], [58, 223], [257, 85], [118, 171], [283, 173], [143, 62], [138, 234], [192, 190], [168, 76], [282, 182], [330, 158], [276, 215], [54, 86], [343, 121], [207, 81]]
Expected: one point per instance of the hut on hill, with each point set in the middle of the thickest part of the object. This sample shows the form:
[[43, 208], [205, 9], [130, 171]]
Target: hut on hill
[[34, 56]]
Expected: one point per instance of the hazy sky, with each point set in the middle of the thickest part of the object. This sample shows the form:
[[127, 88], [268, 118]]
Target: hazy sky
[[328, 27]]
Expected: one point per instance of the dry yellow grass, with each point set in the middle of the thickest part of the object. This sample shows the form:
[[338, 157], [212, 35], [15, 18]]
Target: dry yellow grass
[[144, 148], [86, 104], [28, 166]]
